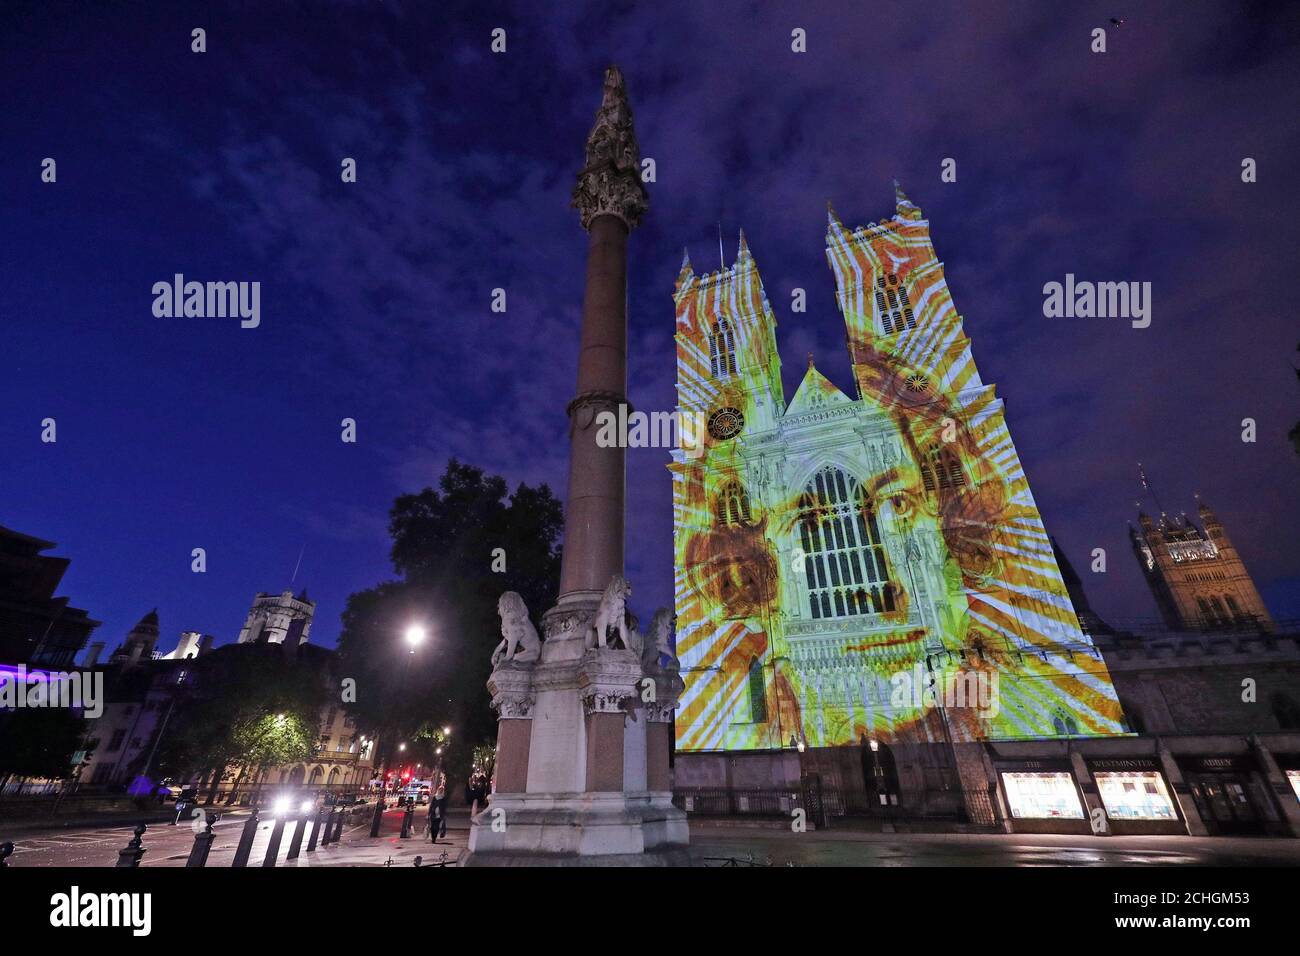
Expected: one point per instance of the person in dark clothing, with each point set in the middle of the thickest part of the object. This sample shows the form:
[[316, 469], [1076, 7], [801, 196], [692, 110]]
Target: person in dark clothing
[[438, 815]]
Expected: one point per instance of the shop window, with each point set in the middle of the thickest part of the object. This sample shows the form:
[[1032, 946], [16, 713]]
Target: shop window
[[1139, 795], [1042, 796], [1294, 777]]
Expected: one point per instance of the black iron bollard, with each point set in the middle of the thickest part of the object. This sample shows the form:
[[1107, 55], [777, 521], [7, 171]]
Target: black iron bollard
[[295, 842], [203, 843], [315, 830], [407, 819], [6, 851], [378, 819], [273, 846], [131, 854], [328, 835], [339, 816], [246, 840]]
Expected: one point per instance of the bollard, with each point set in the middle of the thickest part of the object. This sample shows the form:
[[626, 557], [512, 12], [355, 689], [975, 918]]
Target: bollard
[[295, 843], [273, 846], [246, 840], [418, 860], [203, 843], [338, 826], [6, 851], [378, 819], [131, 854], [407, 818], [315, 830], [328, 836]]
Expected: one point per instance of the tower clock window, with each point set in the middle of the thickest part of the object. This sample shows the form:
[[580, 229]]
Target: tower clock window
[[941, 469], [893, 304], [844, 555], [722, 349]]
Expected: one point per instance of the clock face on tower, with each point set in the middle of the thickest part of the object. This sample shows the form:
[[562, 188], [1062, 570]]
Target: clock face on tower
[[726, 423]]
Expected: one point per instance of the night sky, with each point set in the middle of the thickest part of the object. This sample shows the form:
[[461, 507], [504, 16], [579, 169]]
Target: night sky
[[192, 432]]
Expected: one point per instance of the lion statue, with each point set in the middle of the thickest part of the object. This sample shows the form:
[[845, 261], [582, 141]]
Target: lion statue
[[658, 642], [519, 641], [612, 613]]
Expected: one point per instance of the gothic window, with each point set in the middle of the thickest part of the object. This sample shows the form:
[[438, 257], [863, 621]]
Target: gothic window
[[1064, 724], [893, 304], [733, 505], [722, 350], [940, 469], [844, 556], [1232, 606], [757, 695]]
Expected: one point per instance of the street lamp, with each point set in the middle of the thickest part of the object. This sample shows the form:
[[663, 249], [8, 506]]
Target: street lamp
[[415, 635]]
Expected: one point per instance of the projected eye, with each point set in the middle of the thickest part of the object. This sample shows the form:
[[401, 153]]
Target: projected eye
[[902, 504]]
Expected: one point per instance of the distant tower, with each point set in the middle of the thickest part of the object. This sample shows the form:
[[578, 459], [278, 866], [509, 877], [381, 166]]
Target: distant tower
[[277, 618], [139, 644], [1197, 578]]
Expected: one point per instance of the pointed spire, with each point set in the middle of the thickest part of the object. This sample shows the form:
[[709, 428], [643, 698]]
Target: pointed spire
[[742, 253], [832, 220], [904, 208], [810, 361], [687, 272]]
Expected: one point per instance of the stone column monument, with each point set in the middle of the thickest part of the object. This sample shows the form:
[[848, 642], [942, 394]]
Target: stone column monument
[[585, 716]]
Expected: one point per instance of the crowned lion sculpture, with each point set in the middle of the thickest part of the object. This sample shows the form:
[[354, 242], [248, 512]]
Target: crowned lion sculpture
[[519, 641], [612, 614]]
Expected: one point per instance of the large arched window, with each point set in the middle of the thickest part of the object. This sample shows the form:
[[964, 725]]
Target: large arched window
[[733, 504], [757, 693], [844, 557], [722, 350]]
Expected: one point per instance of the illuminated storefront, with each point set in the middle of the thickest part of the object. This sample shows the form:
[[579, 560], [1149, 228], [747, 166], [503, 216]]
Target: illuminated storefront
[[1294, 777], [1137, 795], [1042, 795]]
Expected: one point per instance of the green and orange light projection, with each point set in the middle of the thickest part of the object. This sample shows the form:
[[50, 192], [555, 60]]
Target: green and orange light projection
[[862, 568]]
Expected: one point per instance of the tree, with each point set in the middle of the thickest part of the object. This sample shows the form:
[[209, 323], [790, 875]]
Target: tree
[[38, 742], [456, 550], [249, 706]]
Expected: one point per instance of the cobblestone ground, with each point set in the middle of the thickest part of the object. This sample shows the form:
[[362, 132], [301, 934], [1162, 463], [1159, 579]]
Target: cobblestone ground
[[711, 845]]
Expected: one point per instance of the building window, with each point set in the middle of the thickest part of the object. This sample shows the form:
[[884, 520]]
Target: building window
[[893, 304], [757, 693], [115, 742], [941, 469], [844, 557], [1135, 796], [1064, 724], [1039, 796], [733, 504], [722, 350]]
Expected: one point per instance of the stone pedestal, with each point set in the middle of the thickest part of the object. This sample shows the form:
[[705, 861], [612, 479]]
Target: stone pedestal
[[596, 788]]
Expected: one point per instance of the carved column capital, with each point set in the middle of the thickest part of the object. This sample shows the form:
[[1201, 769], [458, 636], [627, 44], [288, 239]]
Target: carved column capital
[[511, 687], [610, 182]]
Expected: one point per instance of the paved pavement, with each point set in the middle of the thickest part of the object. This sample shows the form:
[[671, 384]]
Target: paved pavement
[[170, 845], [711, 845]]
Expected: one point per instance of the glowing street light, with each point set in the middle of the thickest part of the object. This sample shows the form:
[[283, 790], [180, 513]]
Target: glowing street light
[[401, 746], [446, 731], [415, 635]]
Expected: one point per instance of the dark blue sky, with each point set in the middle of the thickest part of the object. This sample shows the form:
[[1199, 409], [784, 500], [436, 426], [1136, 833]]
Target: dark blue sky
[[183, 433]]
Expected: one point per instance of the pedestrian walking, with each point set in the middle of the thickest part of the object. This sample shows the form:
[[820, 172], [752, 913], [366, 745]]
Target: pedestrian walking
[[438, 814]]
